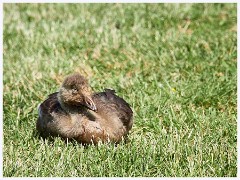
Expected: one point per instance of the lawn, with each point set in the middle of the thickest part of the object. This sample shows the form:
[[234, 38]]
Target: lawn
[[175, 64]]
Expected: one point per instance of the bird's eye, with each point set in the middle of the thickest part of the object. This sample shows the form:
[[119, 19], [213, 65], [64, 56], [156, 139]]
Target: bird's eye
[[74, 89]]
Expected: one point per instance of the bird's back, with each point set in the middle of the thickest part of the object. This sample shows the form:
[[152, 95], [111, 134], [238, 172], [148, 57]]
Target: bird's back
[[109, 103], [45, 110]]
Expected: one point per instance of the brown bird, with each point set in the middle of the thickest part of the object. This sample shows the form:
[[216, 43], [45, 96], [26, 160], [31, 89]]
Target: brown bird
[[76, 113]]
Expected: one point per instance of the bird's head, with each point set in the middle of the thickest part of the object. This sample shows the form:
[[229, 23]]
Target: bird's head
[[76, 91]]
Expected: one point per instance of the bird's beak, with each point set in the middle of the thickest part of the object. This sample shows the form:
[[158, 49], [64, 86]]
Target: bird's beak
[[88, 102]]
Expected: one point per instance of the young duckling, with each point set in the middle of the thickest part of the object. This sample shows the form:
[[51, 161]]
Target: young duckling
[[76, 113]]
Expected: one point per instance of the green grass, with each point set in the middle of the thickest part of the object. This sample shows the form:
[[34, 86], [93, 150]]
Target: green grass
[[176, 65]]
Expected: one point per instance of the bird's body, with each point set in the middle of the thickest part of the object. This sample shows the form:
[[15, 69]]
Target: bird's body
[[109, 120]]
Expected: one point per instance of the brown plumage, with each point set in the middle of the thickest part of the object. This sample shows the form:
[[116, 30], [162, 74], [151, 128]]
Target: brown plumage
[[76, 113]]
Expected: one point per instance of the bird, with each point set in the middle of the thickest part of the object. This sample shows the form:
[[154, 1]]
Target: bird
[[76, 112]]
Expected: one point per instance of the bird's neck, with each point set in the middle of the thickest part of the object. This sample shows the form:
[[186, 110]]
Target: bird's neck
[[68, 107]]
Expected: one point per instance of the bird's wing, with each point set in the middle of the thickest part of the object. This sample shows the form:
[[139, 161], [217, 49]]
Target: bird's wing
[[115, 104], [49, 105]]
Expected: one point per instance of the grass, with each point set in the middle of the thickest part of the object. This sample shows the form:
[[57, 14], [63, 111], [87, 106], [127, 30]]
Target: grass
[[176, 65]]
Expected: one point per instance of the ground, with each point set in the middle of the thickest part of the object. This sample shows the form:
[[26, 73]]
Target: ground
[[175, 64]]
